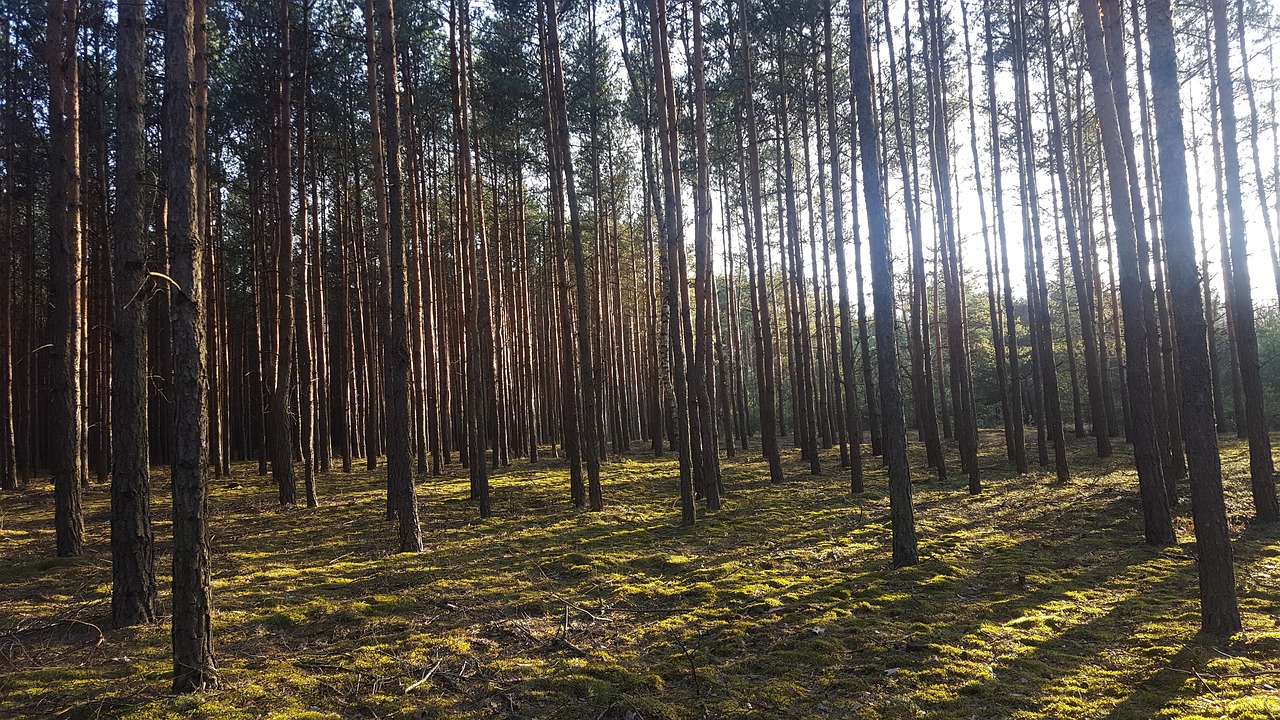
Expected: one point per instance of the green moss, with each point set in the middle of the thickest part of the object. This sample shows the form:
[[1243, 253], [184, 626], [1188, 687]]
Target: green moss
[[1031, 601]]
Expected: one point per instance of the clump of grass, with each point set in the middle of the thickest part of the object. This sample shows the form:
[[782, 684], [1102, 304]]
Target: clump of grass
[[1031, 601]]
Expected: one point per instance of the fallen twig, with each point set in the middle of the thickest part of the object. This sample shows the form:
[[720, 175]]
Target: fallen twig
[[579, 608], [1223, 676], [426, 677]]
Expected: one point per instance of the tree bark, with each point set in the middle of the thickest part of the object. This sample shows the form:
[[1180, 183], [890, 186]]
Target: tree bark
[[1219, 612], [1260, 462], [763, 324], [401, 494], [1157, 522], [902, 517], [280, 420], [848, 384], [193, 665], [133, 580], [65, 265]]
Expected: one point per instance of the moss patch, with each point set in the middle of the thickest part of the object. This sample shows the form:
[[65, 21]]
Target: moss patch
[[1031, 601]]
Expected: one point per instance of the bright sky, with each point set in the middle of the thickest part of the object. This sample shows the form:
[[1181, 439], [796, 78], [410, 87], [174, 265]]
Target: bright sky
[[1195, 102]]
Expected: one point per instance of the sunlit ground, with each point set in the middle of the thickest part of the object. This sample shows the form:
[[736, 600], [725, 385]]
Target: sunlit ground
[[1031, 601]]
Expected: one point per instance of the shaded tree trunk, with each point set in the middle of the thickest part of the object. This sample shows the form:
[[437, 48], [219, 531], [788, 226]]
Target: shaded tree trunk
[[133, 580], [1219, 612], [1260, 462], [1157, 522], [193, 664], [401, 495], [902, 517], [761, 307], [65, 266]]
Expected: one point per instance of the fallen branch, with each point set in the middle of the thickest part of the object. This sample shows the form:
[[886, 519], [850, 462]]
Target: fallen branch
[[425, 678]]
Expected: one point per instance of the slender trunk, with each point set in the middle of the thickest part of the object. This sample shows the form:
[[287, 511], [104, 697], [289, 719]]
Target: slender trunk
[[65, 266], [702, 371], [1088, 334], [1260, 463], [280, 420], [901, 514], [761, 309], [1219, 612], [676, 285], [133, 578], [847, 382], [1015, 435], [401, 494], [193, 664], [1157, 522]]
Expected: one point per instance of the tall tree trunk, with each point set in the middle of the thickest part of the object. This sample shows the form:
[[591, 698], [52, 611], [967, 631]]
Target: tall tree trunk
[[65, 264], [1209, 306], [570, 408], [848, 382], [8, 440], [133, 577], [302, 331], [1260, 463], [761, 309], [280, 420], [1157, 522], [676, 284], [1224, 246], [966, 420], [1219, 612], [805, 422], [372, 349], [1114, 45], [1088, 335], [902, 517], [1015, 432], [193, 665], [1042, 337], [588, 395], [997, 334], [918, 333], [401, 494], [702, 371]]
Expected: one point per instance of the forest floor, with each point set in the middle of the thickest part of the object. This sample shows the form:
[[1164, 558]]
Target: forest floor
[[1031, 600]]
